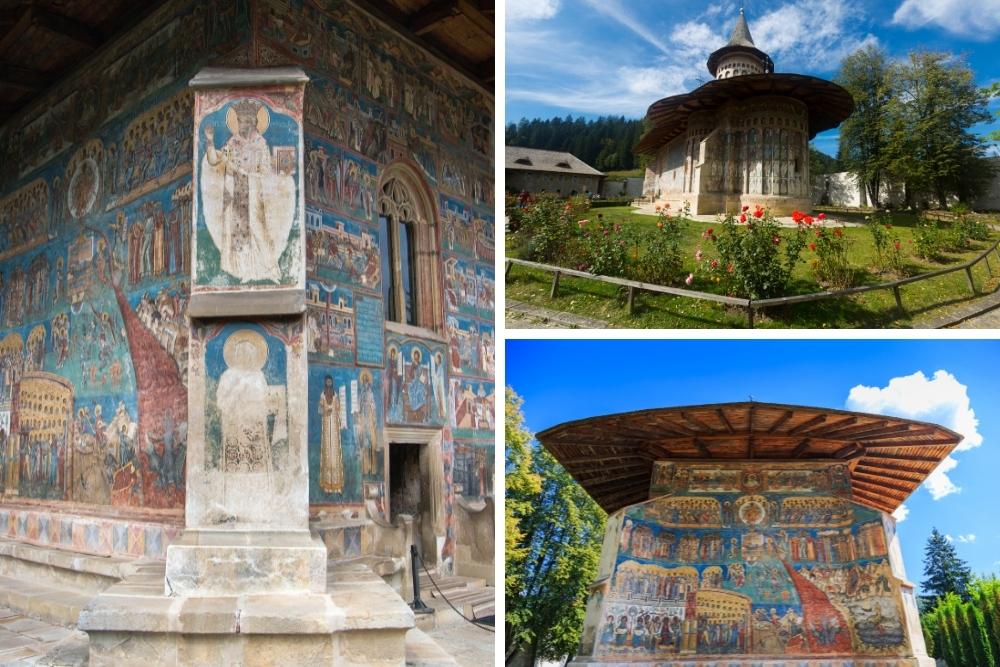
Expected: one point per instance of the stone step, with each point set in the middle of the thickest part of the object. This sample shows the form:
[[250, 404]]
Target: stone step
[[51, 604], [422, 651], [448, 584], [61, 568]]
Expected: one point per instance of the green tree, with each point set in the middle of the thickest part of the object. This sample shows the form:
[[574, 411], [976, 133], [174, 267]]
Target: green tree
[[931, 148], [864, 136], [553, 552], [820, 163], [944, 571]]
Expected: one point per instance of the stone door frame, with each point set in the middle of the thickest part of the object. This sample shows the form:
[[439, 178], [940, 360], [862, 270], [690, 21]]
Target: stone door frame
[[432, 519]]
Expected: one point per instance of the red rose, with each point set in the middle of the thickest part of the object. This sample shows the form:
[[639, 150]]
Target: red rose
[[746, 208], [743, 217], [821, 216], [808, 220], [798, 216], [812, 246], [759, 213], [776, 239]]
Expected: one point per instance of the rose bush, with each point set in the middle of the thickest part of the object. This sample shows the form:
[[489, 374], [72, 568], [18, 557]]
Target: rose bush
[[754, 260]]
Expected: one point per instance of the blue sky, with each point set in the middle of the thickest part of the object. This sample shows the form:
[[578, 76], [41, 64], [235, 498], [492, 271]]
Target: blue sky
[[955, 383], [600, 57]]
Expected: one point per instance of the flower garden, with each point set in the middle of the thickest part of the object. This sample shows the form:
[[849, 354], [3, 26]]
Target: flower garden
[[752, 256]]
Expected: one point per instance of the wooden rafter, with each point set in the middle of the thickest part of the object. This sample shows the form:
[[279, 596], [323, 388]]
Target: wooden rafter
[[725, 420], [780, 421], [806, 425]]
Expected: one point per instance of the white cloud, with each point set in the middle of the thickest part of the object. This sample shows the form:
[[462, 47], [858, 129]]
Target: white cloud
[[901, 513], [971, 537], [616, 11], [975, 19], [941, 399], [531, 10], [816, 34]]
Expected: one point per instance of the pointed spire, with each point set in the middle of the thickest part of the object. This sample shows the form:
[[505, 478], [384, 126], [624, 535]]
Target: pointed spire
[[741, 33]]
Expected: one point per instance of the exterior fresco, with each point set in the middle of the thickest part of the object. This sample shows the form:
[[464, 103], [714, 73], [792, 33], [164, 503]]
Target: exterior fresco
[[248, 222], [746, 560], [95, 231], [100, 234]]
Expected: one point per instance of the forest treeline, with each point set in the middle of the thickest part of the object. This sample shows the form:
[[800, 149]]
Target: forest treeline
[[605, 143]]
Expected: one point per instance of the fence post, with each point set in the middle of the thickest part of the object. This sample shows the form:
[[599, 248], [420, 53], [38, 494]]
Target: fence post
[[555, 285], [506, 272], [750, 315], [972, 284], [631, 300], [899, 298], [989, 268]]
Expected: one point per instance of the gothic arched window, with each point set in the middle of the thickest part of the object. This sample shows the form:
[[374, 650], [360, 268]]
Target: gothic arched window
[[407, 235]]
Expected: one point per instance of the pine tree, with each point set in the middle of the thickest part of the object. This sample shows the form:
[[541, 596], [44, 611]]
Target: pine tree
[[944, 571]]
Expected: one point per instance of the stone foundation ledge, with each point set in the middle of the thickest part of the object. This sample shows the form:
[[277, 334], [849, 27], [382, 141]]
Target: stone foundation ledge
[[359, 620]]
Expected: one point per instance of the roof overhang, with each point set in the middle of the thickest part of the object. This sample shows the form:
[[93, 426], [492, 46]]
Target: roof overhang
[[612, 456], [828, 104]]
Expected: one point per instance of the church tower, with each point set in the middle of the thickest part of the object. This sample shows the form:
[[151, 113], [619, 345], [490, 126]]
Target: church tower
[[740, 56]]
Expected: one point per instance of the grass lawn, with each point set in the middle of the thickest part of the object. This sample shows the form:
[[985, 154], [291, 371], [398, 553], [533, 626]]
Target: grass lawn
[[870, 310]]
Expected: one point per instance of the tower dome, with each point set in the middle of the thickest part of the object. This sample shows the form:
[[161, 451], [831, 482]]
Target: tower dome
[[740, 56]]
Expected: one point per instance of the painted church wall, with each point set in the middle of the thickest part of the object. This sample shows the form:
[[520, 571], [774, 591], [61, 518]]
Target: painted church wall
[[720, 568], [95, 225], [95, 238], [374, 101]]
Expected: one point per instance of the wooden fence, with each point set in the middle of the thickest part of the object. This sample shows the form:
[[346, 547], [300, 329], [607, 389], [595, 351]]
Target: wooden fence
[[750, 305]]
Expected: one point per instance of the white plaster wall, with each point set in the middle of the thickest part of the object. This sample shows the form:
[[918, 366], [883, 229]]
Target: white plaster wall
[[840, 189], [990, 200]]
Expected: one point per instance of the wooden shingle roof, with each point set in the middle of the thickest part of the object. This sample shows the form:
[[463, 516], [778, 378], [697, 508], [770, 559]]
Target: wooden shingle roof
[[612, 456]]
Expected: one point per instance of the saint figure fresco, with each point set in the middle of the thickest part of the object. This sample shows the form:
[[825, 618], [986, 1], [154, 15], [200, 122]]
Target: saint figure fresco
[[249, 204], [331, 455], [253, 413]]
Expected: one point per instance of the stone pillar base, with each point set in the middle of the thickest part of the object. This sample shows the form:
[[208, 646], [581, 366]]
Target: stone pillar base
[[357, 620], [212, 563]]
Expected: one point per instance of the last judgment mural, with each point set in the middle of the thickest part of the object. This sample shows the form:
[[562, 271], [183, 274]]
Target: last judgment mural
[[746, 560], [118, 197]]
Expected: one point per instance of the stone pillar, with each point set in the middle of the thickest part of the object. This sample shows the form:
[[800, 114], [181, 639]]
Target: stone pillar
[[247, 583], [247, 502]]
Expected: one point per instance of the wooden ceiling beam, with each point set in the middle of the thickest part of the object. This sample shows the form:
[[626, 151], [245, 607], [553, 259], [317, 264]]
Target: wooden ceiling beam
[[873, 500], [885, 481], [691, 419], [618, 480], [473, 11], [66, 27], [866, 462], [590, 469], [917, 432], [703, 448], [906, 445], [829, 427], [900, 457], [612, 502], [583, 460], [854, 429], [18, 24], [806, 425], [780, 421], [725, 420], [878, 472], [801, 448], [23, 78], [428, 18], [880, 488], [848, 451]]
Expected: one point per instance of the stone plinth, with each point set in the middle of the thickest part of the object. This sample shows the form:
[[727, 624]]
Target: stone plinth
[[207, 563], [357, 620]]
